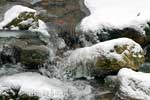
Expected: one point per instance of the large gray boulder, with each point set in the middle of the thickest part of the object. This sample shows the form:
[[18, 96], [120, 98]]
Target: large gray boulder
[[23, 47], [105, 57]]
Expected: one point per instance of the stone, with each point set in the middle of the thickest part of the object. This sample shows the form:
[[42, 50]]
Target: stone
[[108, 34], [34, 55], [25, 48], [105, 58], [133, 85], [24, 21], [130, 58], [130, 33]]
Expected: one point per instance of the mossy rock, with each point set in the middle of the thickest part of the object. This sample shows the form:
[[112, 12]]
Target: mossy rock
[[24, 21], [129, 58], [34, 55]]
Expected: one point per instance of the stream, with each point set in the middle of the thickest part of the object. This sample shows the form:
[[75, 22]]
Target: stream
[[61, 21]]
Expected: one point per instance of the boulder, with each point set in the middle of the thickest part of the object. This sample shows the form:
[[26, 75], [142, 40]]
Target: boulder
[[23, 18], [105, 57], [24, 21], [133, 85], [130, 23], [128, 32], [34, 55], [108, 34], [24, 48]]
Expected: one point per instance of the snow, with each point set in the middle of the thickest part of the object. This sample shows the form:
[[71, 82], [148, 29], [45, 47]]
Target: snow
[[9, 69], [116, 14], [82, 58], [135, 85], [42, 28], [34, 84]]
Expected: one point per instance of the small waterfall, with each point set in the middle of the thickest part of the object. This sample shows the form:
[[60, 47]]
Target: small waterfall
[[59, 64]]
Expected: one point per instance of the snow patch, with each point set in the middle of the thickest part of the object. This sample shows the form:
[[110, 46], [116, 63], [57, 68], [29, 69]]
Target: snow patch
[[135, 85], [42, 28], [34, 84], [116, 14]]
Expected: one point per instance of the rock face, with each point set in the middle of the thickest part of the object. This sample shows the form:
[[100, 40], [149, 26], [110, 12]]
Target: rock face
[[35, 55], [27, 50], [108, 34], [106, 57], [129, 33], [133, 85]]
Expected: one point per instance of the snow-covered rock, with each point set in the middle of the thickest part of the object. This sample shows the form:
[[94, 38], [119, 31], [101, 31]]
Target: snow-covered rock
[[133, 85], [23, 18], [34, 84], [115, 14], [105, 57], [110, 19]]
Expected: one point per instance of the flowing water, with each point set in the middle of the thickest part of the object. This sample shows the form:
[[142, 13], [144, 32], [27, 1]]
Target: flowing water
[[56, 66]]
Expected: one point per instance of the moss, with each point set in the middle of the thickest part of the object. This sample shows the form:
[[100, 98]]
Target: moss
[[107, 64], [130, 59], [120, 49], [33, 57]]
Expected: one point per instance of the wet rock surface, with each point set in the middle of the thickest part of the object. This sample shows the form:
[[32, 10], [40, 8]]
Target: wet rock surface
[[22, 49]]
